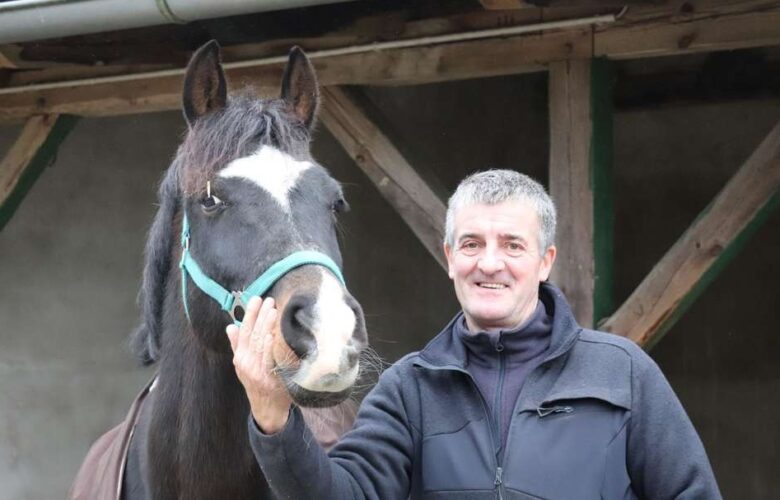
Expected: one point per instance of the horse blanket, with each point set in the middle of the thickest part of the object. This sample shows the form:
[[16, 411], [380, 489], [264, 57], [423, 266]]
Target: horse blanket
[[101, 474]]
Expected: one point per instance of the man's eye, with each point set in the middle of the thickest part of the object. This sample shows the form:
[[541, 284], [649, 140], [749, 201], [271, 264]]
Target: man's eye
[[469, 247], [514, 248]]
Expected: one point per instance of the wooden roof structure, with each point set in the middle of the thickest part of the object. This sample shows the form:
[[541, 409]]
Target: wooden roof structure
[[48, 84]]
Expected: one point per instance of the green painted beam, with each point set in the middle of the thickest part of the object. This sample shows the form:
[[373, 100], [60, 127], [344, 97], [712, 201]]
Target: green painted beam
[[716, 268], [602, 78], [581, 151], [698, 257], [43, 157]]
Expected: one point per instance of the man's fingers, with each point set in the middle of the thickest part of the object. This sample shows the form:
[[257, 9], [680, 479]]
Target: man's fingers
[[262, 325], [232, 333], [250, 317], [267, 354]]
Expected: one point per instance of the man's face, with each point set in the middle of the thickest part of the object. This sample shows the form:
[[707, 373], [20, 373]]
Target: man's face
[[496, 265]]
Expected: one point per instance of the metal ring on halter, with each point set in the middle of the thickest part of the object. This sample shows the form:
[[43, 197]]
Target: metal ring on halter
[[238, 302]]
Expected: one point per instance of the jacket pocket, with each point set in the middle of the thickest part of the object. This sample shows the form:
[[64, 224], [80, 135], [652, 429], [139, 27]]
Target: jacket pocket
[[561, 449]]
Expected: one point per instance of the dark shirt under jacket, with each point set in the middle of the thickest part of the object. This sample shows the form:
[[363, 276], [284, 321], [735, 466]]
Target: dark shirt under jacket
[[499, 361]]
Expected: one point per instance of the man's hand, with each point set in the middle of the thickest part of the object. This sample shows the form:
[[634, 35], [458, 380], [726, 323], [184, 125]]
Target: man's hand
[[252, 346]]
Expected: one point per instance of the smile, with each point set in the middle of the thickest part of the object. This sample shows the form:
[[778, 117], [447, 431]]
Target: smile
[[492, 286]]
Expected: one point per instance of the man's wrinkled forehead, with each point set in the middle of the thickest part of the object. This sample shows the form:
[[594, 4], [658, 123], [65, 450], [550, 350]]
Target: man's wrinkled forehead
[[517, 226]]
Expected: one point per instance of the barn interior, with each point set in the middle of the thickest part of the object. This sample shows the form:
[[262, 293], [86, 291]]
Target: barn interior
[[655, 124]]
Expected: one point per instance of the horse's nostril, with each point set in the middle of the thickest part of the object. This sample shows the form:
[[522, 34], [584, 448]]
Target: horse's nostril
[[296, 325]]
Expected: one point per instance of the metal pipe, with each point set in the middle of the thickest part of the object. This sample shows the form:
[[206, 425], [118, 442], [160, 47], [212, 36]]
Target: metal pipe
[[353, 49], [27, 20], [27, 4]]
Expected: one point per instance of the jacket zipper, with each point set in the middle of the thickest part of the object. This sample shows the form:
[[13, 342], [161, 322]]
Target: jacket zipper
[[498, 481], [498, 416], [513, 418], [497, 399]]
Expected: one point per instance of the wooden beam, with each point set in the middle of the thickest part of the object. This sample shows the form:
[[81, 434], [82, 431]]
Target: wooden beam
[[552, 4], [714, 238], [394, 177], [580, 183], [6, 62], [602, 86], [28, 157], [643, 31], [453, 61], [688, 35], [504, 4], [371, 28]]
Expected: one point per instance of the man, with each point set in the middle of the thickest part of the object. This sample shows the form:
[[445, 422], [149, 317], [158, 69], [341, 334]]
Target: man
[[511, 400]]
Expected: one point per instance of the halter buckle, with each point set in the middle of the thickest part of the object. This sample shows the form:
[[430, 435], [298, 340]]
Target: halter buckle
[[238, 303]]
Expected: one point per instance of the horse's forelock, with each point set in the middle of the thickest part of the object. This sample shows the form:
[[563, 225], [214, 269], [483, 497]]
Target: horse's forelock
[[237, 131]]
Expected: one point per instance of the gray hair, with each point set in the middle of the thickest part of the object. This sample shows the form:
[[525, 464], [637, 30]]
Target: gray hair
[[496, 186]]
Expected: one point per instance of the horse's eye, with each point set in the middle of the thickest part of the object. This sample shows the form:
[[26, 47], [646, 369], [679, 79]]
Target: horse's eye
[[211, 204], [339, 206]]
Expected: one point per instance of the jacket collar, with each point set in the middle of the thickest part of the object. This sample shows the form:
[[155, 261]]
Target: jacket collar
[[520, 344], [446, 350]]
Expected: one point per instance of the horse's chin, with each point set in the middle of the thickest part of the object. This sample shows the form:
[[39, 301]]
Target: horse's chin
[[316, 399]]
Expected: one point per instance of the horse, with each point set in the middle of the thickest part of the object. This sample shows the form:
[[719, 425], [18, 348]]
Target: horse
[[257, 216]]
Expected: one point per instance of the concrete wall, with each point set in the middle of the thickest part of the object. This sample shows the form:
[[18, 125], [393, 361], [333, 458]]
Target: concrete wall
[[70, 264]]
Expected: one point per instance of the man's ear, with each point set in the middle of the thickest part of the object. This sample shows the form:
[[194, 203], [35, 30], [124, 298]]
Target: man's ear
[[449, 254], [548, 259]]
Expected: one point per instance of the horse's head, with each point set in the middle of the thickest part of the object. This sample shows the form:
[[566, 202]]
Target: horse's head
[[252, 195]]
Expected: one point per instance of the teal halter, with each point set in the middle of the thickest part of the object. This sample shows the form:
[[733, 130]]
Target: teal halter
[[230, 301]]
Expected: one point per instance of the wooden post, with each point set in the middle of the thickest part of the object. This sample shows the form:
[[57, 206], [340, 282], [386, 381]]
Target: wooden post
[[580, 94], [396, 179], [704, 250], [32, 152]]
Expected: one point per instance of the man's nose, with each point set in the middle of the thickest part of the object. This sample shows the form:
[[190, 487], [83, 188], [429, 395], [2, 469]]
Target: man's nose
[[491, 261]]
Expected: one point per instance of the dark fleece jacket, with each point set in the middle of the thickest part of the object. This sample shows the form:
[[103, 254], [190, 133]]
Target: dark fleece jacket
[[595, 420]]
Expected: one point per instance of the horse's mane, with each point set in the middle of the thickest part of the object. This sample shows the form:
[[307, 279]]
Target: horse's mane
[[212, 142]]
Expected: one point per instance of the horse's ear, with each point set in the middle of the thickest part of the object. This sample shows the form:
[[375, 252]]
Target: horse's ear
[[145, 340], [205, 88], [299, 87]]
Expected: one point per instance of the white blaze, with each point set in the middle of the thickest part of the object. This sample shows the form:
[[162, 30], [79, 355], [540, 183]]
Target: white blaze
[[271, 169], [333, 325]]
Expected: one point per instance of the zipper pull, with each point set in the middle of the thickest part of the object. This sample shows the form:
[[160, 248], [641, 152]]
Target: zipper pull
[[499, 474], [543, 412]]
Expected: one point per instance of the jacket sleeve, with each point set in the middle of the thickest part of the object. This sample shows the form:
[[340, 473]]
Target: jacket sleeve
[[373, 460], [666, 458]]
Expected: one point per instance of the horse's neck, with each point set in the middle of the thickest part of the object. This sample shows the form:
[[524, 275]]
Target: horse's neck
[[198, 444]]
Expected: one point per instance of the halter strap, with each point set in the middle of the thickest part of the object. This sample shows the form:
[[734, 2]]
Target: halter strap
[[229, 301]]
